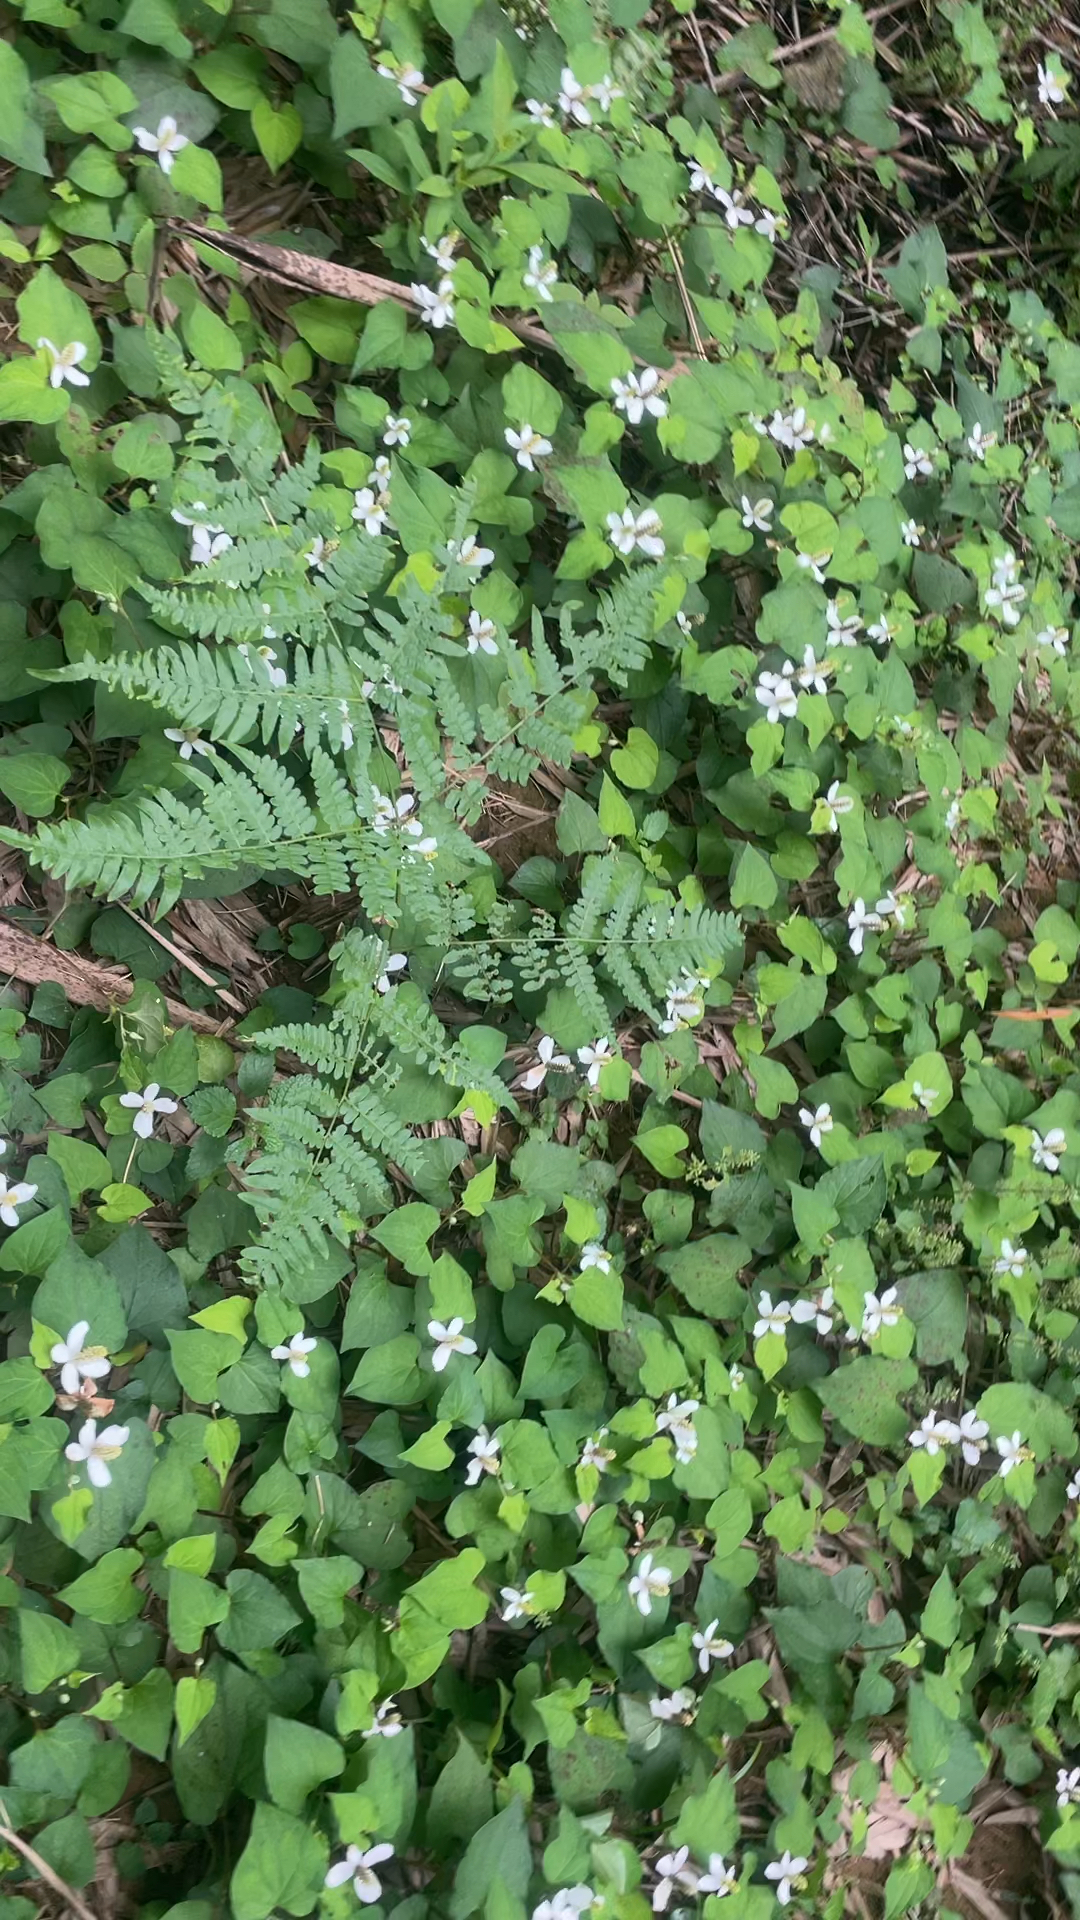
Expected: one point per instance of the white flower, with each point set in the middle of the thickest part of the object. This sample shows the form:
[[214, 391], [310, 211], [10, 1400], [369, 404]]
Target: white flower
[[837, 803], [911, 533], [408, 79], [978, 442], [768, 223], [449, 1339], [778, 693], [916, 462], [296, 1353], [701, 180], [627, 530], [387, 1723], [812, 674], [595, 1057], [442, 251], [1012, 1450], [395, 963], [604, 92], [648, 1583], [266, 655], [540, 113], [736, 212], [678, 1705], [397, 430], [527, 446], [486, 1450], [710, 1645], [1052, 86], [880, 1310], [147, 1103], [546, 1061], [1011, 1260], [685, 1002], [973, 1432], [771, 1319], [436, 304], [638, 393], [1072, 1491], [736, 1376], [757, 513], [65, 363], [358, 1866], [890, 908], [1005, 598], [815, 564], [923, 1097], [316, 553], [12, 1197], [1068, 1786], [791, 430], [819, 1309], [594, 1454], [594, 1255], [1057, 638], [860, 922], [844, 628], [371, 509], [392, 813], [673, 1872], [77, 1361], [97, 1449], [819, 1122], [166, 142], [564, 1905], [425, 849], [934, 1434], [540, 275], [208, 543], [720, 1879], [467, 553], [677, 1413], [788, 1872], [187, 738], [517, 1603], [1047, 1150], [574, 98], [881, 631]]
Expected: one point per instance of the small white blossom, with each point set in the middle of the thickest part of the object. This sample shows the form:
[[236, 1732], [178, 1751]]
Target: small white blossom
[[638, 393], [757, 513], [837, 803], [736, 212], [627, 530], [547, 1060], [486, 1450], [789, 1873], [316, 553], [1056, 638], [720, 1879], [882, 631], [1005, 596], [13, 1197], [778, 694], [77, 1361], [566, 1904], [188, 741], [359, 1866], [1012, 1260], [450, 1338], [815, 564], [595, 1454], [1072, 1491], [880, 1310], [911, 533], [517, 1603], [818, 1310], [527, 446], [736, 1377], [574, 98], [791, 430], [1068, 1786], [860, 922], [916, 462], [540, 275], [812, 675], [408, 80], [844, 628], [771, 1319], [395, 963], [65, 363], [96, 1450], [1012, 1450], [710, 1645], [674, 1871], [923, 1097], [442, 251], [934, 1434], [685, 1002], [295, 1355], [387, 1723], [768, 223], [818, 1122], [540, 113], [594, 1058], [594, 1255], [701, 180], [604, 92], [973, 1432], [208, 543], [1047, 1149], [147, 1104], [166, 143], [483, 634], [397, 430], [1052, 86], [648, 1583], [978, 442], [679, 1705], [394, 813], [468, 553], [371, 509], [436, 304]]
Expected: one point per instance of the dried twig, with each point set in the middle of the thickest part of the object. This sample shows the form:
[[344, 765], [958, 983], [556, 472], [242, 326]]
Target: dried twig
[[45, 1872], [24, 957]]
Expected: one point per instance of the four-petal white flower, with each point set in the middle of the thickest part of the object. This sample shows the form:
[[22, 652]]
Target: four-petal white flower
[[527, 446], [146, 1104], [295, 1354], [96, 1449], [648, 1583], [12, 1198], [450, 1338], [358, 1866], [166, 143], [77, 1361], [64, 363], [639, 393]]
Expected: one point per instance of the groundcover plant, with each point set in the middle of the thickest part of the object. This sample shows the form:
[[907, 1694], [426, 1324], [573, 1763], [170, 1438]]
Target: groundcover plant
[[537, 1075]]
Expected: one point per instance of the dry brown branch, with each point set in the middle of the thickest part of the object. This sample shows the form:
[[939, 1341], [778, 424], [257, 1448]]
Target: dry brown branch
[[24, 957]]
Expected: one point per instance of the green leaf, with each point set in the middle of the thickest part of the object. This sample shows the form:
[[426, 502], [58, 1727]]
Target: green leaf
[[704, 1273], [49, 1649], [636, 763], [213, 343], [298, 1758], [283, 1865], [278, 131], [940, 1619], [21, 138], [863, 1395], [32, 781], [498, 1854], [361, 97]]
